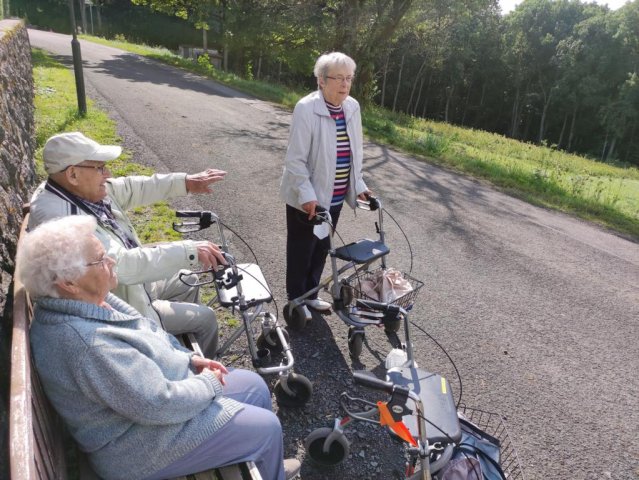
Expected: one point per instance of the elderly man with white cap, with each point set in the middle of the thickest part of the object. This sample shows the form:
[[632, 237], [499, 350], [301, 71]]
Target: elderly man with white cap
[[79, 183]]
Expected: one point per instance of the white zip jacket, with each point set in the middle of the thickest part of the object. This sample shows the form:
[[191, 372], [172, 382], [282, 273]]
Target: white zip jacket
[[309, 168], [135, 266]]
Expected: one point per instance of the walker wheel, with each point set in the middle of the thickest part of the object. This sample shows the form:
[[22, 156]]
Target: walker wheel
[[272, 341], [295, 319], [301, 390], [355, 342], [337, 452]]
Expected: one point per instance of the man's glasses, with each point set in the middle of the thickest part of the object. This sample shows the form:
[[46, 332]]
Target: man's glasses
[[342, 79], [99, 168]]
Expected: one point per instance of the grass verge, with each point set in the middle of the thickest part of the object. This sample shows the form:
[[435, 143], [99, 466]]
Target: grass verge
[[599, 192]]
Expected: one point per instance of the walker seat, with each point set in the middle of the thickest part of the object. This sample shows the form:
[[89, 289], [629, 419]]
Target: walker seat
[[436, 395], [362, 251]]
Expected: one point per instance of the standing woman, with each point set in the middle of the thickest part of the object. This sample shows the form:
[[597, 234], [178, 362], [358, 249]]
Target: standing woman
[[323, 167]]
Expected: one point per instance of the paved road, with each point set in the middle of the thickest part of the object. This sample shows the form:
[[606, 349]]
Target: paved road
[[539, 311]]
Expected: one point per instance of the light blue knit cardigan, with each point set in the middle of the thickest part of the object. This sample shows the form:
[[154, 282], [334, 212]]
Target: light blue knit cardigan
[[124, 387]]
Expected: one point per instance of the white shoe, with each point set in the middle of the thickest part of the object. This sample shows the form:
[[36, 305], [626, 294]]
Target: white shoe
[[292, 467], [318, 304]]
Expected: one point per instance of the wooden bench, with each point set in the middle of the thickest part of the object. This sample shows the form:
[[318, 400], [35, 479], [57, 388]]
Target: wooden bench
[[36, 440]]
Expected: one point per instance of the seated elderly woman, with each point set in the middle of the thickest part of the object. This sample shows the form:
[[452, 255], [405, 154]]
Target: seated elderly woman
[[137, 402]]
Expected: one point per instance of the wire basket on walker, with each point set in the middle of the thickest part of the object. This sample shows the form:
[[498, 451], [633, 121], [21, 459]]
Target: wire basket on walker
[[380, 284]]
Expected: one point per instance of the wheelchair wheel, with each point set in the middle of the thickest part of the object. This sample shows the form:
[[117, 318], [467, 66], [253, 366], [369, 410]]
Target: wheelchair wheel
[[272, 341], [296, 393], [295, 319], [337, 452], [355, 342]]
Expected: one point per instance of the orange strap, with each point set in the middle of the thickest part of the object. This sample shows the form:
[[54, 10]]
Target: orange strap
[[385, 418]]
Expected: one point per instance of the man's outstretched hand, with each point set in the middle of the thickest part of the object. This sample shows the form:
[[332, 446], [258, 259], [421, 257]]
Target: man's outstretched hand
[[201, 182]]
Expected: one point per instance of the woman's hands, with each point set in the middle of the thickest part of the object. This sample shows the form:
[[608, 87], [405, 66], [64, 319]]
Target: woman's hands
[[200, 364], [309, 207]]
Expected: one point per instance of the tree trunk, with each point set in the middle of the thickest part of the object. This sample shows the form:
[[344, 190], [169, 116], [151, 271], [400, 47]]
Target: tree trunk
[[544, 113], [571, 135], [205, 42], [515, 114], [99, 17], [226, 57], [467, 102], [412, 92], [449, 95], [83, 16], [563, 130], [259, 66], [279, 71], [430, 82], [399, 83], [611, 150], [419, 96], [384, 79], [603, 149]]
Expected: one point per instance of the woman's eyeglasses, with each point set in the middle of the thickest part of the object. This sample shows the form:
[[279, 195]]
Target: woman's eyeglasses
[[98, 262], [342, 79]]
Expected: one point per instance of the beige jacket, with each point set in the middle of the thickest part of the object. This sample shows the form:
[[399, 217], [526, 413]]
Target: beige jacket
[[135, 266]]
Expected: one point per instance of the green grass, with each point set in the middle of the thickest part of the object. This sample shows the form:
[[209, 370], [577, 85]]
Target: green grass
[[56, 111], [599, 192]]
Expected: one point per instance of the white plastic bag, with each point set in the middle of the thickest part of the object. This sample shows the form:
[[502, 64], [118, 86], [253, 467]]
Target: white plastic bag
[[393, 285]]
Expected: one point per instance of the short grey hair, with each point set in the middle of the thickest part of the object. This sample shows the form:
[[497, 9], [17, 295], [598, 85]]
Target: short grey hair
[[333, 59], [54, 251]]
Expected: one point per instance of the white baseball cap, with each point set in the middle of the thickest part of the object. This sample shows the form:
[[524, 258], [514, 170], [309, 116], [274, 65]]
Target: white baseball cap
[[71, 148]]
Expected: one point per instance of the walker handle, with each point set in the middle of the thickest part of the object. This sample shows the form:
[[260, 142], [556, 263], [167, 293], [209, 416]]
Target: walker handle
[[205, 220], [371, 381], [371, 203]]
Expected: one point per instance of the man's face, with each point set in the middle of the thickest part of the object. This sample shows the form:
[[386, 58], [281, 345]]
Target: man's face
[[88, 180]]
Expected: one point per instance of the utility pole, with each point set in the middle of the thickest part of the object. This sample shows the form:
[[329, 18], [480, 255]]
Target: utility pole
[[77, 65]]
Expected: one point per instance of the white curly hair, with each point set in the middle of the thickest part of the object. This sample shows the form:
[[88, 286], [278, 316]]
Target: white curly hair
[[54, 251], [327, 61]]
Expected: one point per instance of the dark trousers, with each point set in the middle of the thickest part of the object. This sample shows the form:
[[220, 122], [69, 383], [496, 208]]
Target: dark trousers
[[305, 253]]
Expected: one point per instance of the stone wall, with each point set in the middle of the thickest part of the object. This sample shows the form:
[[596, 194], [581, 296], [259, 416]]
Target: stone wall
[[17, 180]]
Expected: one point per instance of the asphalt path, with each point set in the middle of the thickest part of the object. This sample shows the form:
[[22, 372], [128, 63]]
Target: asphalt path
[[539, 310]]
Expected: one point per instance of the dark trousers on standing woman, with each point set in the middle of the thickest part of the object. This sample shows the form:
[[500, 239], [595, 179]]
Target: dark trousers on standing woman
[[305, 253]]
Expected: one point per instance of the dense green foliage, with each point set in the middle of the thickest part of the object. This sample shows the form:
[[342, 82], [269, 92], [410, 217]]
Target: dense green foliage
[[110, 19], [556, 72], [598, 191]]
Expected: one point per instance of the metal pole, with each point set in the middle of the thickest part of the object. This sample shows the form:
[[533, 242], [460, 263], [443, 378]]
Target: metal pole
[[77, 65]]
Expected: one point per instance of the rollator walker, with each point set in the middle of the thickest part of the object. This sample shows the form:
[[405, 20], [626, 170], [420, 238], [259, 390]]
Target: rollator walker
[[242, 287], [344, 282]]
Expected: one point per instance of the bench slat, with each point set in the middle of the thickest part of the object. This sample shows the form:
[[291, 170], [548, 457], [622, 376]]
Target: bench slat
[[22, 465]]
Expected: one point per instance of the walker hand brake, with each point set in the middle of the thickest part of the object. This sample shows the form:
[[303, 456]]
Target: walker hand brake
[[205, 220]]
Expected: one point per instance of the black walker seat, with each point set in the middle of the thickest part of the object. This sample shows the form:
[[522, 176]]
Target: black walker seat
[[437, 398], [362, 251]]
